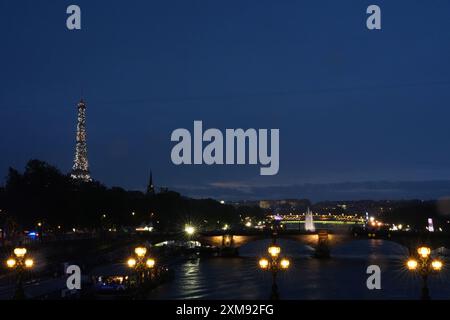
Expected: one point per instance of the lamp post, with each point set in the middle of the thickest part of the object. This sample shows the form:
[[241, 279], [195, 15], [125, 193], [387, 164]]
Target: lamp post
[[274, 264], [141, 263], [189, 230], [425, 266], [19, 262]]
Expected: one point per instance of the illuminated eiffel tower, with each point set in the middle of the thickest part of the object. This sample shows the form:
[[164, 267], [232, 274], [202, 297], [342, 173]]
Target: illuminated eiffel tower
[[80, 169]]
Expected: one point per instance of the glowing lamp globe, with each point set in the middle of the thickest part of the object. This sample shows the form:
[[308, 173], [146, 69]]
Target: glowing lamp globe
[[285, 263], [412, 264], [20, 252], [11, 263], [424, 252], [274, 251], [140, 251], [263, 263], [131, 263], [436, 265], [29, 263], [150, 263]]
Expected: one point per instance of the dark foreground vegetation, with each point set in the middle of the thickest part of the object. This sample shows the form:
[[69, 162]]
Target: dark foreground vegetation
[[43, 195]]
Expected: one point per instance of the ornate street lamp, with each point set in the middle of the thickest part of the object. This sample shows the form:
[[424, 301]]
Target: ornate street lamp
[[274, 264], [425, 266], [141, 263], [19, 262]]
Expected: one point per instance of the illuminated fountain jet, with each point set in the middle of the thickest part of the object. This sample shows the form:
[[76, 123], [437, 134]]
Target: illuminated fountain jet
[[309, 221], [430, 227]]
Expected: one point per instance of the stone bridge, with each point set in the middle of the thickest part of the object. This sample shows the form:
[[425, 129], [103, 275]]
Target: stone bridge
[[324, 240]]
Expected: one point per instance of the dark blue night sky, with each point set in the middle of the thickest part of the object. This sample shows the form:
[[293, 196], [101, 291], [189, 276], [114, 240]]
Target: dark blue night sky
[[352, 105]]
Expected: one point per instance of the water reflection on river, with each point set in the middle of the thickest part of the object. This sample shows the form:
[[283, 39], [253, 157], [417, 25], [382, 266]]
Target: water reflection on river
[[341, 277]]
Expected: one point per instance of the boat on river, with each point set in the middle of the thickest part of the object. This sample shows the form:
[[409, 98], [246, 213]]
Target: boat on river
[[120, 282]]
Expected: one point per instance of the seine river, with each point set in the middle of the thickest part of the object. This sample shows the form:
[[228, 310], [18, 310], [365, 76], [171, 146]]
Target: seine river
[[341, 277]]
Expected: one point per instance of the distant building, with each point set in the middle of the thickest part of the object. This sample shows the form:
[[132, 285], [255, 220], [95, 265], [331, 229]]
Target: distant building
[[285, 206]]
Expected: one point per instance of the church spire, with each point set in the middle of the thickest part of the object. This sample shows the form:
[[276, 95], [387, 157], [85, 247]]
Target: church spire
[[150, 187]]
